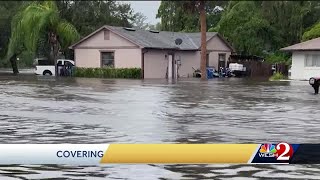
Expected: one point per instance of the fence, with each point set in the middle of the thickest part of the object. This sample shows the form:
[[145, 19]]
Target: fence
[[257, 67]]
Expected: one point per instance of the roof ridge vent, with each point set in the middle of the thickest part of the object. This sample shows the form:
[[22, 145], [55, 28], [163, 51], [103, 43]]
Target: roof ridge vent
[[129, 29], [154, 31]]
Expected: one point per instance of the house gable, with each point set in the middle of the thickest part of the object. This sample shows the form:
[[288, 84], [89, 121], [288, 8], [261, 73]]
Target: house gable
[[111, 37], [105, 39], [216, 43]]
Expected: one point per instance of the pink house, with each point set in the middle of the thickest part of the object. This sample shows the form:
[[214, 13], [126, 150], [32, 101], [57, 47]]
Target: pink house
[[157, 53]]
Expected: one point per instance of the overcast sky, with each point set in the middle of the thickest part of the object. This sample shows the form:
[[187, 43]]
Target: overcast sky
[[148, 8]]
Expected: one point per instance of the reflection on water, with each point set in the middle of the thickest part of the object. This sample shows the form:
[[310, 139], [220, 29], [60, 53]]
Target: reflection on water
[[79, 110]]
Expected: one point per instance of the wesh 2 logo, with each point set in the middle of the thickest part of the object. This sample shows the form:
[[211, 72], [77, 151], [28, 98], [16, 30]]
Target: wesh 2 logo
[[282, 151]]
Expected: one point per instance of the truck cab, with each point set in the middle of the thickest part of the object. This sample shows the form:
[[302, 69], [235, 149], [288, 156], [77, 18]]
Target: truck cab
[[44, 67]]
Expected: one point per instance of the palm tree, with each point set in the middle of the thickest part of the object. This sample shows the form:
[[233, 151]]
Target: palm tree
[[37, 19], [199, 5]]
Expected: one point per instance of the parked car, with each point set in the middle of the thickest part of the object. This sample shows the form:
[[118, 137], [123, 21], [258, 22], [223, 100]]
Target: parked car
[[44, 67]]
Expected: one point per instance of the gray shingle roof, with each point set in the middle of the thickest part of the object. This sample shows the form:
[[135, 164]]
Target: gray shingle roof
[[161, 40], [313, 44]]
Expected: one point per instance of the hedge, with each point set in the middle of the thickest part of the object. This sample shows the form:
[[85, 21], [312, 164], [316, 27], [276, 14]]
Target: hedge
[[129, 73]]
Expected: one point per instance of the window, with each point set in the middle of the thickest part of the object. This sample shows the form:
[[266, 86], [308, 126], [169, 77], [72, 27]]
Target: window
[[44, 62], [207, 60], [312, 60], [222, 57], [107, 59], [106, 34], [67, 63]]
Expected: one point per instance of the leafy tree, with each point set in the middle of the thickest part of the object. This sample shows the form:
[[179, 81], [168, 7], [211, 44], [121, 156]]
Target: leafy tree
[[88, 16], [140, 21], [243, 25], [185, 16], [277, 57], [311, 15], [40, 18], [200, 6], [214, 11], [287, 17], [314, 32], [7, 9], [174, 16], [155, 27]]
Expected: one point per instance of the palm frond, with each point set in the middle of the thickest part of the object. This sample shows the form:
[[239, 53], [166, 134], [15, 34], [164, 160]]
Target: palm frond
[[50, 5], [34, 20], [67, 34], [16, 35]]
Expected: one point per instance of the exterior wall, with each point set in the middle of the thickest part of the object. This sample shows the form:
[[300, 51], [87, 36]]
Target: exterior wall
[[189, 60], [298, 69], [155, 64], [89, 58], [127, 54], [215, 47], [214, 58], [217, 44], [123, 58]]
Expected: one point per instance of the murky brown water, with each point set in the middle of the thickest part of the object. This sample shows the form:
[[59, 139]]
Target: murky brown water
[[41, 110]]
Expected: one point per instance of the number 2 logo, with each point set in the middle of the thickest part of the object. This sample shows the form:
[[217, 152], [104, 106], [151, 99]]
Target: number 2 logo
[[285, 151]]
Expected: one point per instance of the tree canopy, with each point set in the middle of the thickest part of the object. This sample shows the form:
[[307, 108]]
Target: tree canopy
[[312, 33], [39, 20], [252, 27], [68, 17], [174, 16]]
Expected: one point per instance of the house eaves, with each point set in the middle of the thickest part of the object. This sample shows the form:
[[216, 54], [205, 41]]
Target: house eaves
[[97, 31], [311, 45]]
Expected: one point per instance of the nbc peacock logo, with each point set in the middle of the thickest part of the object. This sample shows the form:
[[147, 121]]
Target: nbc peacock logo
[[267, 150]]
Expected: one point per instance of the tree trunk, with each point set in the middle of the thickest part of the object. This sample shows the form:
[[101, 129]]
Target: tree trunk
[[203, 24], [53, 39], [13, 61]]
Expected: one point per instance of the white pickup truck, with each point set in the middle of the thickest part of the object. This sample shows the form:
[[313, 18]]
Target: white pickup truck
[[44, 67]]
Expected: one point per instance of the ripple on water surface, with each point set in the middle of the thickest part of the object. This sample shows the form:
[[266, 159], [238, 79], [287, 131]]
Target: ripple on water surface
[[79, 110]]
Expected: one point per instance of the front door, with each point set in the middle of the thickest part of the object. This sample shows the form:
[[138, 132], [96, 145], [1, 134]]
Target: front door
[[222, 61], [172, 67]]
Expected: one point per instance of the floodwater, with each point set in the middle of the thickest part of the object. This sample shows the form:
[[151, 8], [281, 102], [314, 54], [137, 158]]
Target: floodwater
[[79, 110]]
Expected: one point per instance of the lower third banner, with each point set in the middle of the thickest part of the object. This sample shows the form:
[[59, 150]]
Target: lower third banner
[[94, 154]]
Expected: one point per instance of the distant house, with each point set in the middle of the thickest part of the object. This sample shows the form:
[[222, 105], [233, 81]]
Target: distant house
[[305, 59], [157, 53]]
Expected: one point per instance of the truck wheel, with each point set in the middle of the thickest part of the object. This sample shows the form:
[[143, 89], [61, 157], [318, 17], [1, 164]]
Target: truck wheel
[[312, 81], [47, 73]]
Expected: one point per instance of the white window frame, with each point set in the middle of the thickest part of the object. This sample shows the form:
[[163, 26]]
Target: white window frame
[[312, 60]]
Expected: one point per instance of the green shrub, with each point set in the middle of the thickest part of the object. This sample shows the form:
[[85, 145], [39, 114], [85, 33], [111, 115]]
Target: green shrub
[[277, 76], [129, 73], [312, 33]]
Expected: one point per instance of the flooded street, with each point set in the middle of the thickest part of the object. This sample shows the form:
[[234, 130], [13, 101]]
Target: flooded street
[[79, 110]]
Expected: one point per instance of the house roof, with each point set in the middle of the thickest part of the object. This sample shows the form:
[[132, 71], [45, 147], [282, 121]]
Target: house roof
[[158, 40], [313, 44]]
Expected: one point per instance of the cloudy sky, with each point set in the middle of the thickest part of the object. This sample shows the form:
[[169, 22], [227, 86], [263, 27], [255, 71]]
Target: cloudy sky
[[148, 8]]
